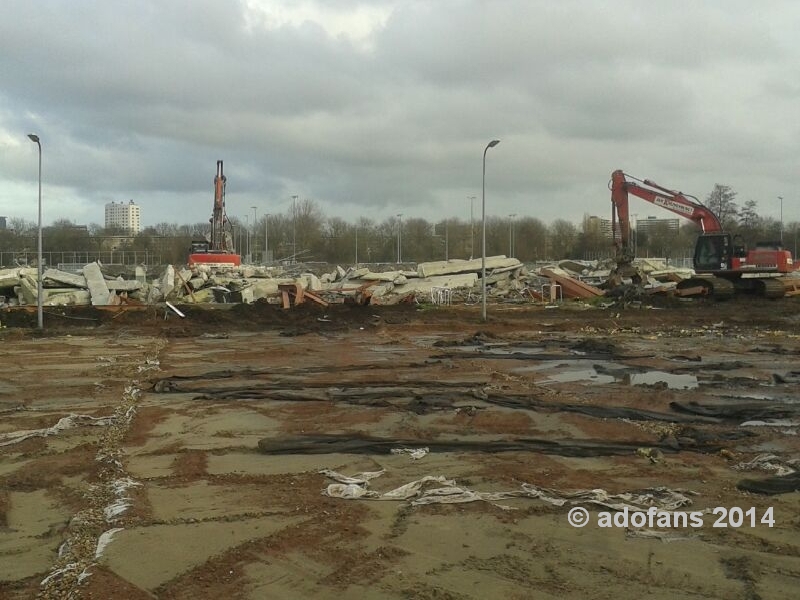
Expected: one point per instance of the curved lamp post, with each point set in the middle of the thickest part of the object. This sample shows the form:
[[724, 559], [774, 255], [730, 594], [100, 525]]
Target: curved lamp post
[[491, 144], [39, 315]]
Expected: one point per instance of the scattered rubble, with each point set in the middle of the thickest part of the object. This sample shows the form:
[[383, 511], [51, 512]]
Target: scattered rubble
[[439, 282]]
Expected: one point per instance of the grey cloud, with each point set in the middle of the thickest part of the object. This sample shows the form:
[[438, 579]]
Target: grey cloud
[[140, 99]]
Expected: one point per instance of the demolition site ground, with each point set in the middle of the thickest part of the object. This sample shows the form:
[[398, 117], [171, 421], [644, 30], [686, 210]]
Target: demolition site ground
[[145, 455]]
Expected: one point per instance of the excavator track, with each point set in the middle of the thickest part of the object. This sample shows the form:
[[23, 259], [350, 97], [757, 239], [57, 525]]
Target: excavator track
[[719, 288], [770, 288]]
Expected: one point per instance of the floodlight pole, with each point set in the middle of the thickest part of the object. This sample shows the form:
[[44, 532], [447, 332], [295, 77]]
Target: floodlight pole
[[39, 292], [491, 144]]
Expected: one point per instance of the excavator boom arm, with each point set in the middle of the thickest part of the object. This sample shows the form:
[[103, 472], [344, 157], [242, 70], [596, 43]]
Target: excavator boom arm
[[689, 208]]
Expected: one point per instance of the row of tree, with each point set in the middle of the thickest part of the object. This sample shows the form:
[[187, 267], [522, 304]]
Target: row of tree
[[305, 234]]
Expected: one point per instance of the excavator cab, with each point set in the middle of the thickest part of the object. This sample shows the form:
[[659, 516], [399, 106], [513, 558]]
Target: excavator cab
[[713, 252]]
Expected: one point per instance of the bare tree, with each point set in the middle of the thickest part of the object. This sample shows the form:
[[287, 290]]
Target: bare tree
[[721, 201]]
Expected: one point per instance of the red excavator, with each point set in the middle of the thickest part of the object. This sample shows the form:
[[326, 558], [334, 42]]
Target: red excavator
[[722, 264], [217, 249]]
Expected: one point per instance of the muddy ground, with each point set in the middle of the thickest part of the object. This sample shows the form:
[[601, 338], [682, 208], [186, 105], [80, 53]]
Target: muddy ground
[[183, 456]]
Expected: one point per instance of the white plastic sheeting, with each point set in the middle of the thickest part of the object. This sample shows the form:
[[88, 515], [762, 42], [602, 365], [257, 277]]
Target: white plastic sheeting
[[421, 492]]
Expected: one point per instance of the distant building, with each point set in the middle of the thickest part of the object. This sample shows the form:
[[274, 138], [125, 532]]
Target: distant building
[[599, 225], [123, 216], [604, 226], [3, 223], [645, 225]]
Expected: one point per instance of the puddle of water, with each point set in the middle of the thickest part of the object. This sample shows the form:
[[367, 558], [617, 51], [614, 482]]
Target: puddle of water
[[674, 381], [576, 371]]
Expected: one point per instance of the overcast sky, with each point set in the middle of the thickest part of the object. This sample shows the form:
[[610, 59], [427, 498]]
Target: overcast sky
[[385, 106]]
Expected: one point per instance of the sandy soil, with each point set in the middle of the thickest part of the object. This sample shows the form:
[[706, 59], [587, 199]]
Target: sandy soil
[[190, 467]]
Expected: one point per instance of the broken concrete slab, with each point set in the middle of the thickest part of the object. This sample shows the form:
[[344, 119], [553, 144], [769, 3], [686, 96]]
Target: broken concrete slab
[[66, 297], [9, 278], [123, 285], [311, 282], [56, 276], [27, 291], [571, 287], [457, 266], [365, 274], [425, 285], [96, 284], [167, 281]]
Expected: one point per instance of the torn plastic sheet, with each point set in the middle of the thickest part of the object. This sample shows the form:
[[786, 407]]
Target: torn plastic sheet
[[351, 491], [450, 493], [770, 462], [122, 502], [58, 573], [357, 479], [415, 453], [63, 571], [104, 540], [68, 422]]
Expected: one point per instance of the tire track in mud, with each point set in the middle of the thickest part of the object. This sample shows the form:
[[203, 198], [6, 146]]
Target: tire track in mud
[[106, 498]]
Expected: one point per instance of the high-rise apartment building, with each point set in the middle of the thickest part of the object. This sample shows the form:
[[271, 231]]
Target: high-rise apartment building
[[123, 216]]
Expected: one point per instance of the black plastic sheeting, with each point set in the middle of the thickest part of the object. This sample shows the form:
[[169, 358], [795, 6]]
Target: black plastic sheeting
[[362, 444], [416, 397], [738, 411], [772, 486]]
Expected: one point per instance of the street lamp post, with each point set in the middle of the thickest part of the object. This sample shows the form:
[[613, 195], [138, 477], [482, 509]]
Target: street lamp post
[[356, 246], [781, 199], [491, 144], [471, 229], [294, 229], [255, 229], [247, 237], [511, 235], [39, 293], [399, 238], [266, 238]]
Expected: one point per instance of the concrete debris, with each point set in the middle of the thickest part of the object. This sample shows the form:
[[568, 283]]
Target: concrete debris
[[770, 463], [97, 284], [457, 280]]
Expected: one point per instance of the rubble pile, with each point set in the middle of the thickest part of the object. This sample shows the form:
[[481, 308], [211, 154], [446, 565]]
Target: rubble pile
[[439, 282]]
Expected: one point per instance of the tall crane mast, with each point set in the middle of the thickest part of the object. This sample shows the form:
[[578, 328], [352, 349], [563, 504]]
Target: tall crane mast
[[217, 249], [218, 217]]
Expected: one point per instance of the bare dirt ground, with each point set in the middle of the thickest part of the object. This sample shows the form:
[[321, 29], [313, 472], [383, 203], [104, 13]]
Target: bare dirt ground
[[182, 457]]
